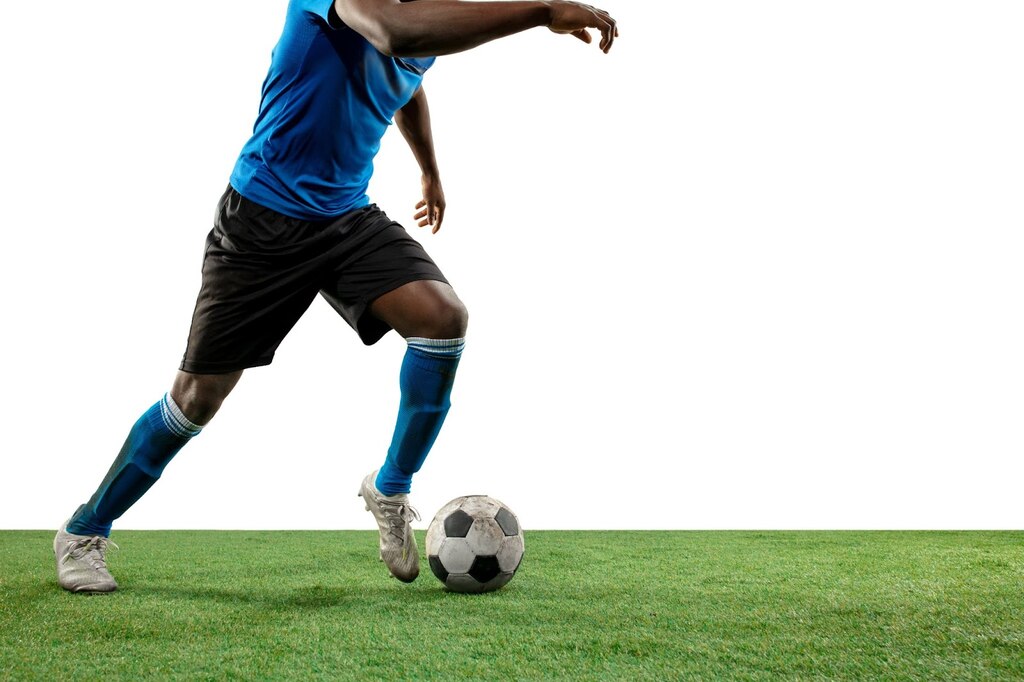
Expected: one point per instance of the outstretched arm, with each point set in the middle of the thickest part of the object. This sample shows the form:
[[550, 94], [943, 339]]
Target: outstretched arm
[[414, 121], [436, 27]]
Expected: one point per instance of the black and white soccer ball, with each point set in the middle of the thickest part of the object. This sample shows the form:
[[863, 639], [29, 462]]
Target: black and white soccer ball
[[474, 544]]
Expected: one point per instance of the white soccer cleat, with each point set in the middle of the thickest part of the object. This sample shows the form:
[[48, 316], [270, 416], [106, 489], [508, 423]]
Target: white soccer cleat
[[394, 517], [81, 562]]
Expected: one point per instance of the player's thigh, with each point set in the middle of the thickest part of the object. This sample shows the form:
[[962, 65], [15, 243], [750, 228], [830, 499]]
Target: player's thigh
[[381, 259], [257, 281], [427, 308], [245, 308]]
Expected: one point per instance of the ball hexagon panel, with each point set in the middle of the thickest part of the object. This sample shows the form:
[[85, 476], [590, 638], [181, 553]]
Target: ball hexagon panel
[[435, 536], [480, 506], [485, 536], [456, 555], [510, 553]]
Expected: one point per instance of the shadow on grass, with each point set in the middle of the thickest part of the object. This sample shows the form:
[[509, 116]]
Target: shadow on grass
[[33, 594], [311, 598]]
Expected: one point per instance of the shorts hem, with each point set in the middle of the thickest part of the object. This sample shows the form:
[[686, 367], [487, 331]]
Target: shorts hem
[[194, 367], [372, 329], [407, 278]]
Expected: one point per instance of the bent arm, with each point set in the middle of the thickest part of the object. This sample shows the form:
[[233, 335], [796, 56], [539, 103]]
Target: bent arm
[[438, 27], [413, 120]]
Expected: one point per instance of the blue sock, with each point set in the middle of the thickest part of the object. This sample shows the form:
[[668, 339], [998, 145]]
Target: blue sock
[[157, 436], [428, 372]]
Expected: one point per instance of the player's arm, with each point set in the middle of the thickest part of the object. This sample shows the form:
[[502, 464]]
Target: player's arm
[[414, 121], [436, 27]]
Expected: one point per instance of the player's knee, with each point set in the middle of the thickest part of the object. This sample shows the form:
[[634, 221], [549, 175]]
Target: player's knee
[[459, 320], [199, 396], [197, 405], [451, 321], [438, 317]]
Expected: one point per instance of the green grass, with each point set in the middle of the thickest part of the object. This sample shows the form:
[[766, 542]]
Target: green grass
[[585, 605]]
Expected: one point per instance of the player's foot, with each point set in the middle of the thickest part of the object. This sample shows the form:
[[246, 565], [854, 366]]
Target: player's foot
[[81, 563], [394, 517]]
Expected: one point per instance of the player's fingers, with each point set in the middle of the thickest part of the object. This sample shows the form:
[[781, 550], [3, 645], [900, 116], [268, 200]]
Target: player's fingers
[[422, 223], [421, 203], [439, 216], [606, 15], [606, 25], [583, 35], [607, 35], [615, 25], [420, 214]]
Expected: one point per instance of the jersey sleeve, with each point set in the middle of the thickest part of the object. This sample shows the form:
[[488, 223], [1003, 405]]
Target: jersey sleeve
[[318, 8]]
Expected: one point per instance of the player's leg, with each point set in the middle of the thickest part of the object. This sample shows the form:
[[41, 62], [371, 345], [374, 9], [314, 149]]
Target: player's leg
[[200, 396], [433, 320], [153, 441], [260, 272], [155, 438], [383, 279]]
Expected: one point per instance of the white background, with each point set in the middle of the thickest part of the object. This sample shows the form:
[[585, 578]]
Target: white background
[[759, 267]]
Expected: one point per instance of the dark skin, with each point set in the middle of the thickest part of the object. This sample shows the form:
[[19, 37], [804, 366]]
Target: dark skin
[[439, 27], [426, 308], [413, 120]]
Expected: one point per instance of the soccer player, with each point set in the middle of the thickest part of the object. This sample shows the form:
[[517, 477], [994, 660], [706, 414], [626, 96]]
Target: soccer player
[[295, 221]]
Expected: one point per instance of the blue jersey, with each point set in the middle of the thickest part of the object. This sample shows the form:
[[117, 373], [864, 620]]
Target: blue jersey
[[327, 101]]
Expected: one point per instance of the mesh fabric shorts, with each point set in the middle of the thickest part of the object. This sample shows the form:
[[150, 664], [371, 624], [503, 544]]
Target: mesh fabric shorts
[[262, 269]]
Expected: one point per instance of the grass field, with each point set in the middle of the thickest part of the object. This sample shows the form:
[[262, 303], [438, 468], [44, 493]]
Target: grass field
[[585, 605]]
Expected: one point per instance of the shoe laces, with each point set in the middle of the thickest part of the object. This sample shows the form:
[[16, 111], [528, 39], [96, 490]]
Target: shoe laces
[[91, 549], [399, 516]]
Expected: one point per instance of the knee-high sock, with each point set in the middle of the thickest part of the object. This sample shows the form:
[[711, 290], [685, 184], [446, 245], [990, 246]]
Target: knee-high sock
[[157, 436], [428, 372]]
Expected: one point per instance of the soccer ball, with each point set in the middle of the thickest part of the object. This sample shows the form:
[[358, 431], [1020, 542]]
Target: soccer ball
[[474, 544]]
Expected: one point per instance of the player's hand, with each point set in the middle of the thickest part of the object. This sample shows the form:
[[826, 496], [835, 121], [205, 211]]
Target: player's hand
[[575, 18], [431, 206]]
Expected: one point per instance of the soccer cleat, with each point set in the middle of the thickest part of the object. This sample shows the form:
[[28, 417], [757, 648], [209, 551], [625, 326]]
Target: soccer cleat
[[81, 566], [394, 517]]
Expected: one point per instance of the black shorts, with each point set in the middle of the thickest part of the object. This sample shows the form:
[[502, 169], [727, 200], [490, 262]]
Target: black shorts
[[262, 269]]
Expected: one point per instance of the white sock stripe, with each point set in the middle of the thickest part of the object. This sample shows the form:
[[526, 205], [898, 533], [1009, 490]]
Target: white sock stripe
[[439, 347], [175, 420], [440, 343], [168, 420]]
